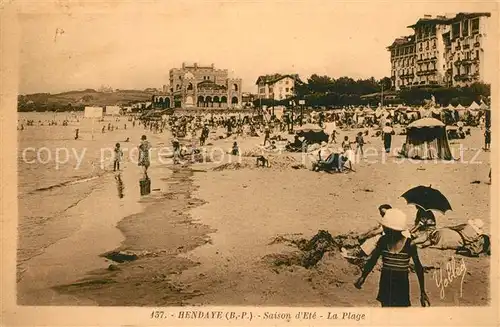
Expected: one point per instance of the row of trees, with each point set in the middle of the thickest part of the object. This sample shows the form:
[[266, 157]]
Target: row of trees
[[345, 91]]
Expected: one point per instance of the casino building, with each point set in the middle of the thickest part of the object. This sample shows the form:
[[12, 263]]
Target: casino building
[[199, 87]]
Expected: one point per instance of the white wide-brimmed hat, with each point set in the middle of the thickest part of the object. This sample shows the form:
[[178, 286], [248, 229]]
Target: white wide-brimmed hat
[[477, 224], [394, 219]]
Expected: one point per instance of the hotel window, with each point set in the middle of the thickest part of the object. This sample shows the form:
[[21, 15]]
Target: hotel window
[[455, 30], [286, 82], [477, 54], [287, 89], [475, 26], [465, 28]]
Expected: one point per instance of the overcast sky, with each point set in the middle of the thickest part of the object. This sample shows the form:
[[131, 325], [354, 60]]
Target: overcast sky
[[133, 46]]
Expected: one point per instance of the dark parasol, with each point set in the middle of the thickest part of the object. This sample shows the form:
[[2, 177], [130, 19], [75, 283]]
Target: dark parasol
[[428, 198]]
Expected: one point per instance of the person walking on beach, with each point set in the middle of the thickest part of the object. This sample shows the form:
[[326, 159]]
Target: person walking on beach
[[487, 139], [387, 133], [360, 142], [144, 148], [267, 135], [118, 157], [76, 134], [333, 136], [396, 251]]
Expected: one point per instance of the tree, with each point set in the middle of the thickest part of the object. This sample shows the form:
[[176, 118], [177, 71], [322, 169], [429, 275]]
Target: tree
[[386, 82]]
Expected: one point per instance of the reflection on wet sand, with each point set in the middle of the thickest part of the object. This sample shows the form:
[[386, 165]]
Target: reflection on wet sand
[[119, 185], [145, 185]]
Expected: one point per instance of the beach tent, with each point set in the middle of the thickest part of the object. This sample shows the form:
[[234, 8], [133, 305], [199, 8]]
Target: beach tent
[[93, 112], [459, 107], [484, 106], [312, 133], [450, 107], [474, 106], [113, 110], [427, 139]]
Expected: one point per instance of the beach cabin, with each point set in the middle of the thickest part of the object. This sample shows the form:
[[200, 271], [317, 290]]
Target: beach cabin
[[112, 111], [427, 139], [93, 112]]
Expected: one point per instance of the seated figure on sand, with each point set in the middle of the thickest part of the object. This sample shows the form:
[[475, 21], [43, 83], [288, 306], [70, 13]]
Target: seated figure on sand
[[425, 224], [468, 239]]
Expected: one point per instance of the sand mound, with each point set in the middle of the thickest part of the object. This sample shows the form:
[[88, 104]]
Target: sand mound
[[312, 251], [276, 162]]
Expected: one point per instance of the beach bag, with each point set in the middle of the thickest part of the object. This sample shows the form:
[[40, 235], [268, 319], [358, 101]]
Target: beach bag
[[145, 186]]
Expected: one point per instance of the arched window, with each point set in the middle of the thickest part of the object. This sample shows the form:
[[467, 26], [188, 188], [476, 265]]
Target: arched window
[[190, 86], [235, 87], [177, 87], [234, 100]]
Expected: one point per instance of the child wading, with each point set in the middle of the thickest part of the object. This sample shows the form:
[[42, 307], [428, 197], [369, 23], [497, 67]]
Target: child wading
[[118, 157], [396, 251]]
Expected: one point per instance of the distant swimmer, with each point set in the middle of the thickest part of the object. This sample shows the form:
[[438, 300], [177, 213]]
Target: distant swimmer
[[76, 133], [128, 139]]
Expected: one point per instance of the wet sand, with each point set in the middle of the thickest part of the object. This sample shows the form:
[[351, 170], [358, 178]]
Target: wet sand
[[204, 237]]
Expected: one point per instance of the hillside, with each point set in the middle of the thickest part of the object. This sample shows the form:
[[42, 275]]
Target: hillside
[[77, 100]]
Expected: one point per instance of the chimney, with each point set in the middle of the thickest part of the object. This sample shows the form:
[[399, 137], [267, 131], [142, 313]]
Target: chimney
[[427, 16], [195, 65], [213, 66]]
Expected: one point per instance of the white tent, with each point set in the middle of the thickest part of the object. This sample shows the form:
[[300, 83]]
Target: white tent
[[484, 106], [474, 106], [113, 110], [93, 112], [450, 107], [459, 107]]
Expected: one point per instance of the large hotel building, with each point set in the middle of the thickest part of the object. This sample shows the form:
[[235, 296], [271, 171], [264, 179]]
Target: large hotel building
[[199, 86], [444, 51]]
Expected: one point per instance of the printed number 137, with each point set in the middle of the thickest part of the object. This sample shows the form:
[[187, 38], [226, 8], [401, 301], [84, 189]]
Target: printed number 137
[[157, 314]]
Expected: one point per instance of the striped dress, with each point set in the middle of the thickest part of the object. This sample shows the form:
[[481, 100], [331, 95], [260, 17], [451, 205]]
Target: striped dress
[[394, 285]]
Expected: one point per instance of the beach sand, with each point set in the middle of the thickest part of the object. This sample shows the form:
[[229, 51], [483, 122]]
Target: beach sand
[[203, 237]]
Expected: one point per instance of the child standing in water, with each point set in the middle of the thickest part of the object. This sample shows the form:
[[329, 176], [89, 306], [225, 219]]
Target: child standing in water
[[118, 157], [396, 251]]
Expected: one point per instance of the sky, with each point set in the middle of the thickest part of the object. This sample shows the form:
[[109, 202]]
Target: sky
[[134, 45]]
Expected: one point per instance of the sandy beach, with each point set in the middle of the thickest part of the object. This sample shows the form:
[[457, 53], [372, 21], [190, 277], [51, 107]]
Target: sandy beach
[[208, 236]]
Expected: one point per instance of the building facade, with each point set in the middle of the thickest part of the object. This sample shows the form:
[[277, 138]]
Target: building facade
[[199, 86], [277, 86], [444, 51]]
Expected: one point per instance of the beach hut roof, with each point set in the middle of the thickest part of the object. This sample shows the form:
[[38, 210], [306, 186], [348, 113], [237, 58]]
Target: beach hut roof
[[459, 107], [426, 122], [474, 106]]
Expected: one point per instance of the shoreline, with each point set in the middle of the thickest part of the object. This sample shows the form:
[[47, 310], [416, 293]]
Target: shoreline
[[154, 259]]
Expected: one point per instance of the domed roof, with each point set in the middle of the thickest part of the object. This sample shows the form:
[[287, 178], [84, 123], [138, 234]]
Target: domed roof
[[188, 75]]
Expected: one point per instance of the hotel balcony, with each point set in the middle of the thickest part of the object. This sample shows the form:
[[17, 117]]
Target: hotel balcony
[[466, 62], [427, 72], [426, 60], [409, 75], [477, 44], [465, 77]]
